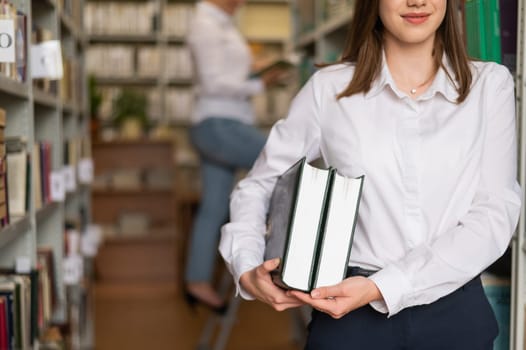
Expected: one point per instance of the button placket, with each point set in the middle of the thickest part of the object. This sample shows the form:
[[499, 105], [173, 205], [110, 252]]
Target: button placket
[[410, 144]]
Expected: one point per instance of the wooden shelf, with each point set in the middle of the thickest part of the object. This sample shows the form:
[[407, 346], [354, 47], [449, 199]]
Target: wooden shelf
[[13, 87], [158, 205], [126, 81], [122, 38], [14, 230], [45, 99], [139, 192]]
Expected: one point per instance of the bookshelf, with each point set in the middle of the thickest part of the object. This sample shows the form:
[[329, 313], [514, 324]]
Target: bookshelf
[[140, 187], [41, 111], [320, 28], [152, 58], [518, 289]]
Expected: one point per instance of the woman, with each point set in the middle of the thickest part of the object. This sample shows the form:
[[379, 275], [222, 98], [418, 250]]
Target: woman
[[223, 133], [434, 134]]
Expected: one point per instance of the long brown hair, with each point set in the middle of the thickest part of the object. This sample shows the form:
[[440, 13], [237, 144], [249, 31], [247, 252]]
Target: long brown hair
[[365, 41]]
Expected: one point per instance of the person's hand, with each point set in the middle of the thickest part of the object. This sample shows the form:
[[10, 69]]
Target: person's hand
[[340, 299], [274, 76], [259, 283]]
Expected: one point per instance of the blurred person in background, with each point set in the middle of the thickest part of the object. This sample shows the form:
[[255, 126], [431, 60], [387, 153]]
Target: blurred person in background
[[223, 133], [434, 133]]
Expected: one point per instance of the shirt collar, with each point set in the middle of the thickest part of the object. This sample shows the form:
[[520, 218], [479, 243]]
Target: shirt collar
[[214, 11], [441, 84]]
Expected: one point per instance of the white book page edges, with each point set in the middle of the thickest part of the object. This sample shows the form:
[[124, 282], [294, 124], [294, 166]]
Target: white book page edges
[[297, 270]]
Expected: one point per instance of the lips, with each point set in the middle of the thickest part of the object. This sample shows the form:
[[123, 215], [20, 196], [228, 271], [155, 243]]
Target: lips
[[416, 18]]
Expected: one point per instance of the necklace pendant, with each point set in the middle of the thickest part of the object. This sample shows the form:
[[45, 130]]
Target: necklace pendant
[[413, 91]]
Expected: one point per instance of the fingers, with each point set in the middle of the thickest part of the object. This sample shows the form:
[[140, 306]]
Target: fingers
[[270, 265], [327, 292]]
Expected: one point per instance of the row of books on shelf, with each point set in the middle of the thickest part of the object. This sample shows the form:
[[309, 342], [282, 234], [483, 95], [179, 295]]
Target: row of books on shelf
[[306, 13], [14, 63], [27, 301], [27, 174], [336, 8], [14, 66], [135, 179], [29, 177], [69, 87], [177, 108], [118, 18], [179, 104], [71, 8], [142, 61], [491, 30]]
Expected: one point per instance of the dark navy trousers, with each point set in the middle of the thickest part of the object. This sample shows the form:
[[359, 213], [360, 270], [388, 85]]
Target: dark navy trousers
[[462, 320]]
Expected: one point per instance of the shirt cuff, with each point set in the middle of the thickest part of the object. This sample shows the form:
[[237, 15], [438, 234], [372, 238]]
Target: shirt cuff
[[393, 285], [242, 263]]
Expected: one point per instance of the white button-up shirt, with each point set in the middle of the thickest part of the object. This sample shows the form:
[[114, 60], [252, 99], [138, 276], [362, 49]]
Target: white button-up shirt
[[440, 200], [223, 62]]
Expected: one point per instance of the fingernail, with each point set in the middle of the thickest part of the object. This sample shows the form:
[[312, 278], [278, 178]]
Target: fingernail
[[315, 294]]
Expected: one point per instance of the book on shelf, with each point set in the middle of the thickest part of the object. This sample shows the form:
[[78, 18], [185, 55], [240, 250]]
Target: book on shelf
[[18, 305], [7, 291], [508, 33], [483, 32], [4, 217], [18, 171], [311, 222], [4, 344]]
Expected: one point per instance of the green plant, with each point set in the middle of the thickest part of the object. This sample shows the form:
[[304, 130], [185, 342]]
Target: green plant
[[130, 104], [95, 97]]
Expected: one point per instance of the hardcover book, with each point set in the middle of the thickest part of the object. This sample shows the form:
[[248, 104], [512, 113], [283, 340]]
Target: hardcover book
[[311, 221]]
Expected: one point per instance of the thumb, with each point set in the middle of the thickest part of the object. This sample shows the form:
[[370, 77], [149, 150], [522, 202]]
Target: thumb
[[326, 292], [272, 264]]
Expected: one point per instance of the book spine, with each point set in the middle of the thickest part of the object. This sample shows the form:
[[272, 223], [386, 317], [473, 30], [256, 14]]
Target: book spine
[[475, 31], [355, 220], [492, 25], [278, 277], [321, 228]]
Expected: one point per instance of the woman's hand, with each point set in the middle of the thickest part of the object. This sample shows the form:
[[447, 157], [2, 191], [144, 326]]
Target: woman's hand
[[274, 77], [259, 283], [342, 298]]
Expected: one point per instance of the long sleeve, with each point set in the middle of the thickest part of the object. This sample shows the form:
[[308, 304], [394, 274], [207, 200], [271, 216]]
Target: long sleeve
[[222, 60], [242, 242], [481, 235]]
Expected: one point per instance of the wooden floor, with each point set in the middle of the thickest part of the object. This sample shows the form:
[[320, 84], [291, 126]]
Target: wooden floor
[[137, 317]]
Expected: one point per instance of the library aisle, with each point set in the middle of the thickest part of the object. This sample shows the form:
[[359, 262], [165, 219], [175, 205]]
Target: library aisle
[[138, 317]]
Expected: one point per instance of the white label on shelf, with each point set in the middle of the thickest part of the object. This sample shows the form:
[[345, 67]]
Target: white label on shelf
[[73, 267], [85, 170], [73, 242], [69, 178], [22, 264], [46, 60], [91, 240], [58, 188], [7, 40]]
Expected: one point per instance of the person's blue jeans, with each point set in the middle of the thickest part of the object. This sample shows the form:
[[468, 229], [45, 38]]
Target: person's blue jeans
[[224, 146]]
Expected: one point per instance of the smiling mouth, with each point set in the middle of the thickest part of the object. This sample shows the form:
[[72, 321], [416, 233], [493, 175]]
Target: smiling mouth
[[416, 18]]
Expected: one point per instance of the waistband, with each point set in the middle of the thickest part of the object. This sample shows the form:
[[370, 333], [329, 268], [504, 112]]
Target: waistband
[[358, 271]]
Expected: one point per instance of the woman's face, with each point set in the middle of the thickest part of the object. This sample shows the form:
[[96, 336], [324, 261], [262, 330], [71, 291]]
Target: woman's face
[[409, 22]]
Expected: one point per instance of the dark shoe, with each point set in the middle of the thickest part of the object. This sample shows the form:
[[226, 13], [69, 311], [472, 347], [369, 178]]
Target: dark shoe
[[193, 301]]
